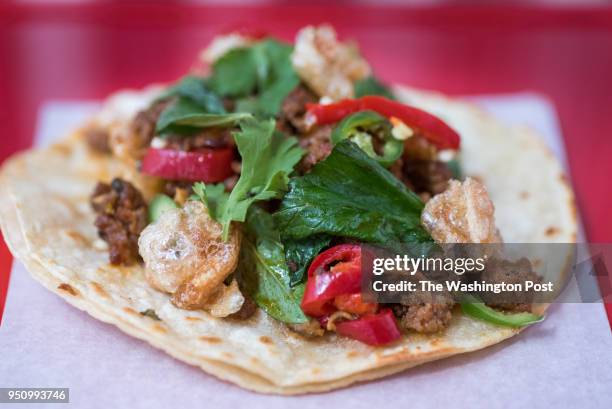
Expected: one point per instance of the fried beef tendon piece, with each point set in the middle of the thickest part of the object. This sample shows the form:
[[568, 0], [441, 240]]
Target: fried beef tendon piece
[[328, 66], [185, 255], [463, 213], [121, 216]]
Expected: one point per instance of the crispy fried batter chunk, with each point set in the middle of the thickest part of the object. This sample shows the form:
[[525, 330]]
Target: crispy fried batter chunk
[[122, 215]]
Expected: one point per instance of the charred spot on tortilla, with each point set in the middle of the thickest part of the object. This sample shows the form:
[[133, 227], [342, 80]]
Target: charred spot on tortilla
[[211, 339], [266, 340], [130, 311], [551, 231], [68, 288], [99, 289]]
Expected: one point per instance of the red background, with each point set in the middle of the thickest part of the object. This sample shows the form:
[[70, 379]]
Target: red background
[[87, 51]]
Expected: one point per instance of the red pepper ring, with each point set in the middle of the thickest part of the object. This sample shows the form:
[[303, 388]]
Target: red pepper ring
[[374, 329], [334, 272], [430, 126], [203, 165]]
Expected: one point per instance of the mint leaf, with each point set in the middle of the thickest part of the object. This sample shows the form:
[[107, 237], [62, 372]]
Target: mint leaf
[[263, 271], [351, 195], [268, 157]]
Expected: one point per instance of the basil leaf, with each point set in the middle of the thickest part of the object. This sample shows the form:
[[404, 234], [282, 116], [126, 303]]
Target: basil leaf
[[263, 272], [351, 195], [185, 112], [372, 86], [195, 89], [300, 253]]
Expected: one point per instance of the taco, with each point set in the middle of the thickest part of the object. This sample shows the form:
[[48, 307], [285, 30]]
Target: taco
[[221, 218]]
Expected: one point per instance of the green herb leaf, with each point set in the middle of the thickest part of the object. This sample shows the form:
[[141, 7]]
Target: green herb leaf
[[372, 86], [263, 271], [195, 89], [214, 197], [261, 75], [235, 73], [455, 167], [300, 253], [185, 112], [349, 194], [268, 157]]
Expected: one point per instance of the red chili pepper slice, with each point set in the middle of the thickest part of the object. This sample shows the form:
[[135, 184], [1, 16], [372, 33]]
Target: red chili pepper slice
[[354, 304], [334, 272], [203, 165], [374, 329], [430, 126]]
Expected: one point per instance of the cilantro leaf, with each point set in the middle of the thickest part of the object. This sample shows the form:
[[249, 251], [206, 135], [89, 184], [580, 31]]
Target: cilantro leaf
[[213, 196], [195, 89], [261, 76], [372, 86], [268, 157], [186, 113], [351, 195], [263, 271], [235, 73]]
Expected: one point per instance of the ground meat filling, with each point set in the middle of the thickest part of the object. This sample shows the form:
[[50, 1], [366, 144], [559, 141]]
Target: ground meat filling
[[317, 145], [246, 311], [293, 110], [424, 318], [142, 127], [121, 216], [97, 139], [423, 311], [510, 272], [209, 138], [420, 169]]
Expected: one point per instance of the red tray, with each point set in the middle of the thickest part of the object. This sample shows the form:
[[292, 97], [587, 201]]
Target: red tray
[[89, 50]]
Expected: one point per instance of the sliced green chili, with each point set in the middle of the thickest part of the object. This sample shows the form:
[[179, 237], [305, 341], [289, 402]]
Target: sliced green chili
[[474, 308], [357, 128]]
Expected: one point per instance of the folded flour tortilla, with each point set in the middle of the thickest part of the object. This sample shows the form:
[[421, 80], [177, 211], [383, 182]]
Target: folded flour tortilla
[[48, 224]]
